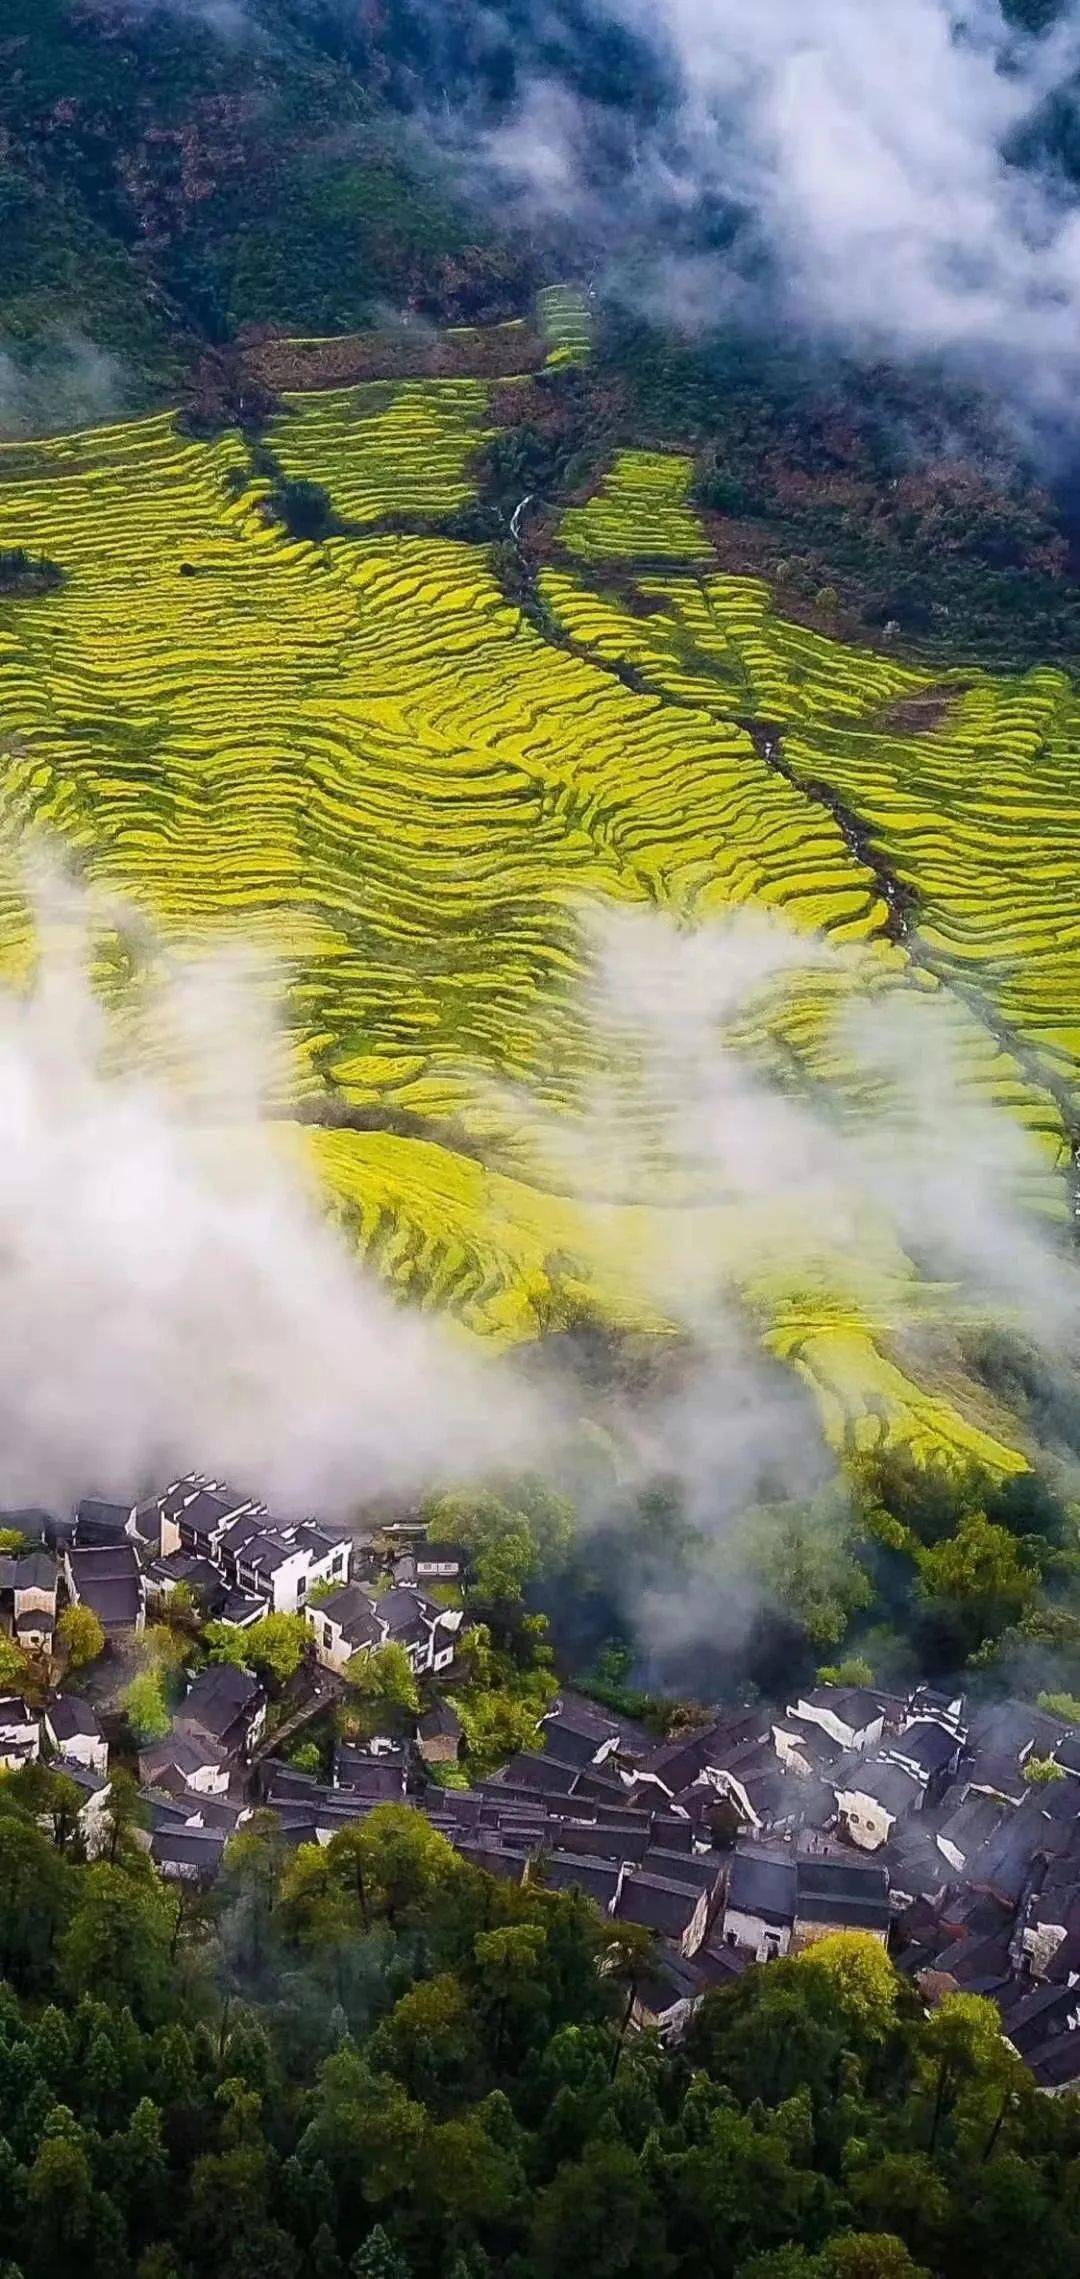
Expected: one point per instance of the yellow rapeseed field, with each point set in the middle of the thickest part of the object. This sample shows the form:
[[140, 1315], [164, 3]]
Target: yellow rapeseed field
[[362, 756]]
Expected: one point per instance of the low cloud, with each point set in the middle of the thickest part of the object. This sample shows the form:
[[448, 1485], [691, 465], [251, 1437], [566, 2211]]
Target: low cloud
[[171, 1295], [865, 161], [68, 382]]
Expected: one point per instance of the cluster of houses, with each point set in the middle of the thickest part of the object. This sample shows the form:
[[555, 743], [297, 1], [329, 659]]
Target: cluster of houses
[[953, 1837]]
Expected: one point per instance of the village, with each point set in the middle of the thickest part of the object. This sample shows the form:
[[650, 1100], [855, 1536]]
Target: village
[[948, 1832]]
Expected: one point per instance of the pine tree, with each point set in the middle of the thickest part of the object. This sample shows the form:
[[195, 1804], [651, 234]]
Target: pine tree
[[325, 2262], [378, 2258]]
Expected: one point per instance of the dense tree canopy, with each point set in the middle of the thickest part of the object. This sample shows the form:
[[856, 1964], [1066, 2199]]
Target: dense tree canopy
[[372, 2060]]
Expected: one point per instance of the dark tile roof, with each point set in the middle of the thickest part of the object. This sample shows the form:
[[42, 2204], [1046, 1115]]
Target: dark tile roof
[[927, 1745], [888, 1784], [187, 1567], [372, 1777], [219, 1700], [35, 1524], [430, 1555], [35, 1622], [602, 1787], [677, 1763], [849, 1893], [208, 1510], [92, 1784], [354, 1612], [107, 1578], [605, 1839], [762, 1883], [185, 1753], [35, 1571], [528, 1770], [564, 1745], [588, 1716], [566, 1871], [440, 1722], [657, 1904], [101, 1522], [198, 1848], [250, 1544], [405, 1610], [495, 1859], [1012, 1729], [671, 1830], [818, 1747], [715, 1963], [71, 1717], [241, 1609], [851, 1705], [702, 1869]]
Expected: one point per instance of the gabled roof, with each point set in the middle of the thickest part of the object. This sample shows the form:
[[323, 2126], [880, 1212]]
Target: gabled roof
[[528, 1770], [973, 1823], [92, 1784], [570, 1871], [701, 1869], [240, 1609], [219, 1699], [853, 1894], [677, 1763], [1012, 1729], [203, 1508], [97, 1522], [602, 1839], [377, 1778], [927, 1744], [185, 1753], [71, 1718], [400, 1609], [565, 1746], [440, 1722], [199, 1848], [35, 1524], [107, 1578], [763, 1884], [887, 1784], [34, 1621], [853, 1706], [355, 1612], [656, 1903], [252, 1543], [35, 1571]]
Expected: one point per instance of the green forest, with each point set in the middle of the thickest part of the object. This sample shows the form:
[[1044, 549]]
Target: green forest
[[374, 2059]]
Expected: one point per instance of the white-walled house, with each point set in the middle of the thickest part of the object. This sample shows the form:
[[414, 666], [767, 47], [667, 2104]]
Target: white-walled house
[[73, 1730], [20, 1733], [872, 1798], [849, 1714], [356, 1620], [188, 1760], [280, 1562], [759, 1910]]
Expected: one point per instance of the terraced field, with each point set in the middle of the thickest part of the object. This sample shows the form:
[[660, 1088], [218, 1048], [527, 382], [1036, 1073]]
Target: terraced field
[[383, 449], [640, 509], [364, 757]]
